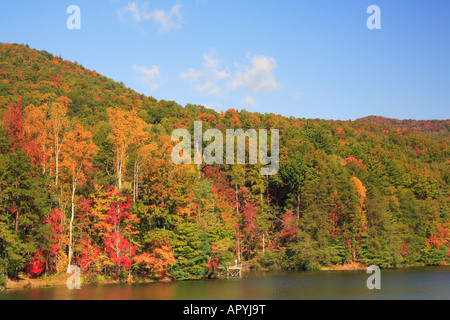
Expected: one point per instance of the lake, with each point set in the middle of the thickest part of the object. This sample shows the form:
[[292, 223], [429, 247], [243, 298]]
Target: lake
[[427, 283]]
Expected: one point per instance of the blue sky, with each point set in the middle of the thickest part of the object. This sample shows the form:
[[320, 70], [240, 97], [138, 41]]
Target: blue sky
[[307, 59]]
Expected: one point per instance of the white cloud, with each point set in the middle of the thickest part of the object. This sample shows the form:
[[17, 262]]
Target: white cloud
[[207, 80], [166, 20], [151, 76], [131, 8], [248, 102], [191, 75], [298, 95], [257, 78]]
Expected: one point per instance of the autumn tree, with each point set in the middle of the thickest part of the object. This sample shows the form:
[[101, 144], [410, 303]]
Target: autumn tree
[[143, 156], [55, 224], [358, 223], [59, 128], [158, 262], [23, 202], [77, 162], [37, 131], [127, 131], [114, 227]]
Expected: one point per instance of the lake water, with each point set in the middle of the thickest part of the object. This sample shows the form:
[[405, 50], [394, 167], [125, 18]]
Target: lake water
[[426, 283]]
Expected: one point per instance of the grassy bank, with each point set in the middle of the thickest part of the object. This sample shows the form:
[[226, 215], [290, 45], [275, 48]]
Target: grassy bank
[[345, 267], [25, 282]]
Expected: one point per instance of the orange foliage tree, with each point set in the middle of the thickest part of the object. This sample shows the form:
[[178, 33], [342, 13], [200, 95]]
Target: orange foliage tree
[[77, 162]]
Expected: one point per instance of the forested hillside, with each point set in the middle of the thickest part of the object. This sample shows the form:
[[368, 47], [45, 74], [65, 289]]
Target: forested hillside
[[86, 179], [431, 127]]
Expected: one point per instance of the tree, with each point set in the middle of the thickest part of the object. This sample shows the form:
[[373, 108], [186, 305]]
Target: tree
[[16, 129], [358, 224], [77, 162], [144, 154], [37, 131], [60, 127], [127, 131], [159, 261], [54, 222], [22, 201], [114, 226], [293, 174]]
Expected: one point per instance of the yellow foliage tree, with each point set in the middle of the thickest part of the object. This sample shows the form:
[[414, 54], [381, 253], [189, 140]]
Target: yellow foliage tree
[[359, 219], [127, 131], [77, 159], [59, 127]]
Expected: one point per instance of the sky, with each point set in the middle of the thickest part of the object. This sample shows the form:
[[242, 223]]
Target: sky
[[300, 58]]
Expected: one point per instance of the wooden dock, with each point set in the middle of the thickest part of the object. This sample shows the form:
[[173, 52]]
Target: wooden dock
[[234, 271]]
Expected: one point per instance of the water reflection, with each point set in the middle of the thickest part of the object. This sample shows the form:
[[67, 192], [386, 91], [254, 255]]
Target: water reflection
[[416, 283]]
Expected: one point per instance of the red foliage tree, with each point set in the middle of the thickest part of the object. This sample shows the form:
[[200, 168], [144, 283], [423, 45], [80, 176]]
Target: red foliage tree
[[14, 124], [54, 224], [89, 254], [288, 228], [36, 265]]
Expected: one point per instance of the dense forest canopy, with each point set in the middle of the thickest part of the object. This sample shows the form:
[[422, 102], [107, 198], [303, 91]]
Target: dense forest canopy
[[86, 179], [431, 127]]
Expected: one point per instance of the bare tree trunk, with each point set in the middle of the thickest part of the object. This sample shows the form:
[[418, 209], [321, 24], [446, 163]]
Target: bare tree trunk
[[44, 162], [56, 166], [119, 176], [16, 228], [239, 247], [237, 199], [134, 182], [71, 227], [137, 169], [239, 234], [264, 243]]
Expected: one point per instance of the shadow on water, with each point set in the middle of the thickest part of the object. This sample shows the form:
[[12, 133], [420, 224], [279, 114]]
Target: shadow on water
[[416, 283]]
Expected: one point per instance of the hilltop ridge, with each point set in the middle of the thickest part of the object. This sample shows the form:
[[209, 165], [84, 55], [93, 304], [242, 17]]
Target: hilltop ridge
[[433, 127]]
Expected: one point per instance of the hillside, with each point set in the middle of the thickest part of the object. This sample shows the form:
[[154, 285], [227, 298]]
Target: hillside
[[433, 127], [86, 179]]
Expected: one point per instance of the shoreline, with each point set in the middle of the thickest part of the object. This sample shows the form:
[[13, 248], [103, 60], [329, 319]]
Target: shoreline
[[61, 280], [354, 266]]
